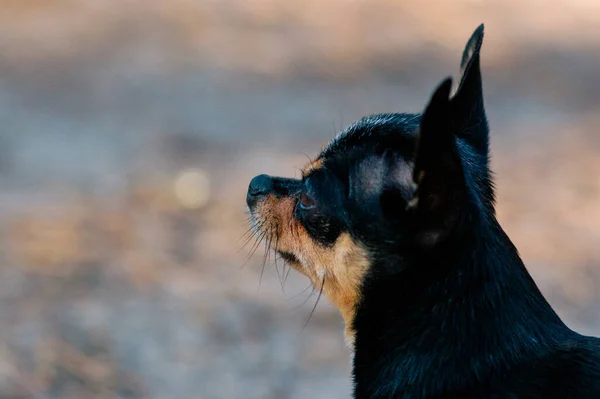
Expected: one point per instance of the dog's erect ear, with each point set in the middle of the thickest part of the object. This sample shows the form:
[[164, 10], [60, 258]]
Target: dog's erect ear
[[467, 104], [472, 49], [438, 172], [470, 122]]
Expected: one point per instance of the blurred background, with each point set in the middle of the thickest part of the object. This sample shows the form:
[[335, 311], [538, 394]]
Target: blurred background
[[130, 130]]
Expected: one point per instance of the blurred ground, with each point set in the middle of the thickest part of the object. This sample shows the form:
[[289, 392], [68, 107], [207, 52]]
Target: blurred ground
[[111, 286]]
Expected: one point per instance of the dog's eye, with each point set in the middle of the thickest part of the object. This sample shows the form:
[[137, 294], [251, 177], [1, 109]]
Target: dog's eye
[[306, 202]]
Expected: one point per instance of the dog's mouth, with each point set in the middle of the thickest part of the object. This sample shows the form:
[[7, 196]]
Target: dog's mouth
[[288, 257], [266, 226]]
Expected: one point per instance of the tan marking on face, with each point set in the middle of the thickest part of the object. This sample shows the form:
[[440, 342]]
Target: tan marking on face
[[341, 267], [313, 166]]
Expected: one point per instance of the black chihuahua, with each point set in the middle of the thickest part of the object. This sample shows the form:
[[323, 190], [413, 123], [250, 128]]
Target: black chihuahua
[[394, 222]]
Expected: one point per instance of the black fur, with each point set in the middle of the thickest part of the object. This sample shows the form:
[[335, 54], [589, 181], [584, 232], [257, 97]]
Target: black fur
[[464, 319], [447, 308]]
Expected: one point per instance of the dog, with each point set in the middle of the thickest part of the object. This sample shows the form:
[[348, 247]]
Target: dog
[[394, 223]]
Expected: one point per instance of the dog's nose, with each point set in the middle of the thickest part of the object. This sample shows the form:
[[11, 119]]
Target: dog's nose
[[259, 186]]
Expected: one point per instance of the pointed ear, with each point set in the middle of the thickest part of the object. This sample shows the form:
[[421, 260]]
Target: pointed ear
[[467, 104], [438, 172], [471, 51]]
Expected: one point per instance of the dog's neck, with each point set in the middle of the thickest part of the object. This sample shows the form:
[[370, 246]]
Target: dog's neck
[[464, 313]]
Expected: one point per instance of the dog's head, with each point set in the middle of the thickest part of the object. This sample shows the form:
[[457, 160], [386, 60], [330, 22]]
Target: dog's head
[[388, 187]]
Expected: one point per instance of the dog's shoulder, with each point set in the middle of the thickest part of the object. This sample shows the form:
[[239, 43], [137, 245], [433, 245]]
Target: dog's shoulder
[[577, 363], [570, 370]]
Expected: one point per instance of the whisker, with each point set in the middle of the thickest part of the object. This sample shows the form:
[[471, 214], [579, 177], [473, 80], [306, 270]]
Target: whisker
[[316, 303], [257, 243], [285, 266], [249, 231], [253, 233], [275, 257], [265, 259], [312, 292], [262, 271], [278, 274], [267, 236], [287, 274], [255, 246], [310, 285]]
